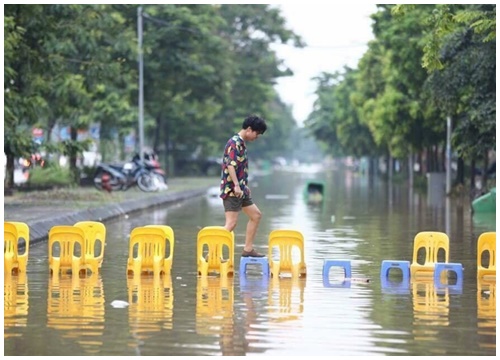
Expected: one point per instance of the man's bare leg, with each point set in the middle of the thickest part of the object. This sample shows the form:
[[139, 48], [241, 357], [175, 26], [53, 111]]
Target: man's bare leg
[[254, 216], [231, 220]]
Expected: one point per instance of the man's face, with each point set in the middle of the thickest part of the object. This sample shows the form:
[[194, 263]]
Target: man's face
[[254, 135]]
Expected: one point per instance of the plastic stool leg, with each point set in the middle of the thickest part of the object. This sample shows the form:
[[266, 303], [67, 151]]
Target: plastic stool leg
[[345, 264]]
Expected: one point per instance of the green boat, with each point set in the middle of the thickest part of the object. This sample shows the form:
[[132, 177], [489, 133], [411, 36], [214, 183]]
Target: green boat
[[485, 203]]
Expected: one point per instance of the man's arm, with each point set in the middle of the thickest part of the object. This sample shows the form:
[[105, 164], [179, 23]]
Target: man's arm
[[232, 172]]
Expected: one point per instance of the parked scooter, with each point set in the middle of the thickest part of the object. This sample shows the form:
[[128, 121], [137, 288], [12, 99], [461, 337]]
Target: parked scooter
[[152, 164], [122, 177]]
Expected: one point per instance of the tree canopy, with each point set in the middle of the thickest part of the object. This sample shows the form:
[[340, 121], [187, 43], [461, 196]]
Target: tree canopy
[[206, 67], [426, 63]]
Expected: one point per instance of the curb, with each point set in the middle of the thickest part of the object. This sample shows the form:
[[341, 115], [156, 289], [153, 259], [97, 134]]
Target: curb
[[39, 230]]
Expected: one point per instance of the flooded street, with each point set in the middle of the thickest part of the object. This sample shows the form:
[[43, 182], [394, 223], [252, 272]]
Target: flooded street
[[361, 220]]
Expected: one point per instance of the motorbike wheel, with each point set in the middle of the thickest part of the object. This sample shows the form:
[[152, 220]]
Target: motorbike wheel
[[160, 181], [113, 182], [147, 183]]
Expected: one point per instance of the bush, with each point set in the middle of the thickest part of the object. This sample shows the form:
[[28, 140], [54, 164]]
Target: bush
[[50, 176]]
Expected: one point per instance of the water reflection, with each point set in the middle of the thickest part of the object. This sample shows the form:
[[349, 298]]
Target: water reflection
[[286, 298], [486, 313], [15, 304], [151, 304], [76, 308], [214, 304], [431, 310]]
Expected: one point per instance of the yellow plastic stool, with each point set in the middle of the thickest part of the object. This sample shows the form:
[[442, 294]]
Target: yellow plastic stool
[[23, 233], [71, 243], [285, 241], [169, 246], [487, 242], [219, 242], [10, 259], [146, 251], [95, 241], [432, 242]]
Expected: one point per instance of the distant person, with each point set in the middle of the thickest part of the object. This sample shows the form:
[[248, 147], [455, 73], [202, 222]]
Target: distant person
[[234, 190]]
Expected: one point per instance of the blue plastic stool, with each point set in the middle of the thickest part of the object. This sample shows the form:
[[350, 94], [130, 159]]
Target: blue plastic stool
[[396, 264], [456, 267], [346, 264], [264, 263]]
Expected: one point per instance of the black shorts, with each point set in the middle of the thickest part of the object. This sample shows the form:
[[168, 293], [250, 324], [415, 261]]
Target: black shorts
[[233, 203]]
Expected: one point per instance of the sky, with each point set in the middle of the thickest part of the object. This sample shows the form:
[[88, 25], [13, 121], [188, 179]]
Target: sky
[[336, 35]]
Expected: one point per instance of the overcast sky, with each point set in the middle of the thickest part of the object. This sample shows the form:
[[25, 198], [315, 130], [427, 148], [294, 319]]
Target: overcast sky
[[336, 34]]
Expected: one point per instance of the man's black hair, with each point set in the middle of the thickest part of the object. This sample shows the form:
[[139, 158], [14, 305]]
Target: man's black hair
[[256, 123]]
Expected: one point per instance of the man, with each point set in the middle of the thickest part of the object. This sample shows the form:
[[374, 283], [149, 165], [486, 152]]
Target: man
[[234, 189]]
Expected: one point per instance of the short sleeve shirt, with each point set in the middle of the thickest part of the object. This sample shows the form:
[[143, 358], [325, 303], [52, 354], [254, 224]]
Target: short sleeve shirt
[[235, 154]]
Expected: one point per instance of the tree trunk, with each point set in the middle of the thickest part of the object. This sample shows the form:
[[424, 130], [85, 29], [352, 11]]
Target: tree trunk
[[484, 178], [390, 167], [442, 161], [410, 170], [156, 140], [460, 171], [428, 160], [75, 173], [473, 177], [9, 174]]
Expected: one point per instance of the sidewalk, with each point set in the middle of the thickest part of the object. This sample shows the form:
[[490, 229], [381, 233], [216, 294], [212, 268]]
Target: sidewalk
[[43, 209]]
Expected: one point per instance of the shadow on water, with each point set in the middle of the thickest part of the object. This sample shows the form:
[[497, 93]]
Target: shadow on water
[[360, 220]]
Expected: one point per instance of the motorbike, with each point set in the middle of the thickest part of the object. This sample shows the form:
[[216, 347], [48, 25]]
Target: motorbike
[[114, 177], [152, 164]]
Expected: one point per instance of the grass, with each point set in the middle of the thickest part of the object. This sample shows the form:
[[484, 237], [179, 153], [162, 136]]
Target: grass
[[85, 195]]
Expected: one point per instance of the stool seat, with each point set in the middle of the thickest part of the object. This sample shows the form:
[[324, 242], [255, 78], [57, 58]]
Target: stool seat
[[455, 267], [403, 265], [346, 264], [262, 261]]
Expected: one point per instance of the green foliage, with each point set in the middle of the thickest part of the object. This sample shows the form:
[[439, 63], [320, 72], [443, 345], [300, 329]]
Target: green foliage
[[392, 103], [50, 176], [336, 121], [74, 148]]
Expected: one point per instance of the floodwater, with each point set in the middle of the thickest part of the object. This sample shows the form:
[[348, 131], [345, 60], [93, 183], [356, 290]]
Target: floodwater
[[361, 220]]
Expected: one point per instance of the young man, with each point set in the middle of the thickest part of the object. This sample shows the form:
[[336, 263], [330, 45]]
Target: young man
[[234, 189]]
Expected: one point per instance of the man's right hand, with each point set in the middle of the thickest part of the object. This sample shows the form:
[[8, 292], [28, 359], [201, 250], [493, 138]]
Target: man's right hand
[[237, 191]]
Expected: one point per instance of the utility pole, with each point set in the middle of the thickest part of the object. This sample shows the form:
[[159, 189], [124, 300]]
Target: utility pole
[[448, 156], [141, 84]]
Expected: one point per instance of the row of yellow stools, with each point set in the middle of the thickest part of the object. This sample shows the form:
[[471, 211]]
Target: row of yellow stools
[[76, 248], [79, 248]]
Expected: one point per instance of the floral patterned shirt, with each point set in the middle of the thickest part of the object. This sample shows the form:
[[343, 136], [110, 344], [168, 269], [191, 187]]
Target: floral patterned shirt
[[235, 154]]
